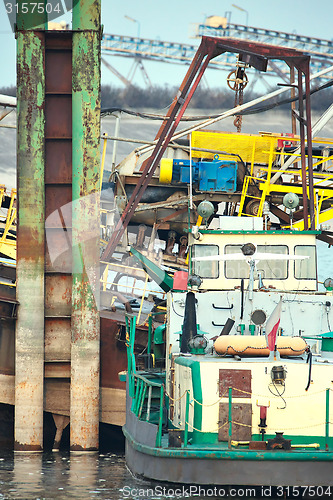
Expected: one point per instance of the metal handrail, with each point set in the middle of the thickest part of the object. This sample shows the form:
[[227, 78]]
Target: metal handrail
[[138, 400]]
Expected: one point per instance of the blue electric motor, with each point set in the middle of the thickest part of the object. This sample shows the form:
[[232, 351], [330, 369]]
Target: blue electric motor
[[211, 176]]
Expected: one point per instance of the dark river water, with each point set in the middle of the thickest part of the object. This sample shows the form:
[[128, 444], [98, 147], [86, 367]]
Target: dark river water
[[64, 475]]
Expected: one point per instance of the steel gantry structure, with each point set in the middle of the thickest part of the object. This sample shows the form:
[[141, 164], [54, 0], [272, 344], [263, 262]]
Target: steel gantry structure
[[321, 51], [311, 45]]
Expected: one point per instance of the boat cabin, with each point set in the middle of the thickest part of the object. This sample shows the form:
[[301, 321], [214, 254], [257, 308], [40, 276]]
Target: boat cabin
[[290, 273]]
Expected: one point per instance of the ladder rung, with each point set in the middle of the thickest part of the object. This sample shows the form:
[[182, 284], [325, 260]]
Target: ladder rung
[[254, 197]]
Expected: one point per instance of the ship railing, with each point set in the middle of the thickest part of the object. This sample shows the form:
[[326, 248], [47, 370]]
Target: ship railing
[[142, 405], [228, 393], [130, 321], [142, 402], [138, 384]]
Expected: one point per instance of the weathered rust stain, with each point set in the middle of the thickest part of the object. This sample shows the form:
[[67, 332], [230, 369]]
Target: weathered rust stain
[[25, 447], [29, 241]]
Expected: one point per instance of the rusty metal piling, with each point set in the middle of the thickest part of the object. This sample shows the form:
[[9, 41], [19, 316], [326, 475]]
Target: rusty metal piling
[[29, 343], [84, 399], [41, 173]]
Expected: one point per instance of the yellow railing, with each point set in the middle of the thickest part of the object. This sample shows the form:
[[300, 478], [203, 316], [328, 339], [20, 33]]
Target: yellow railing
[[323, 186], [7, 244]]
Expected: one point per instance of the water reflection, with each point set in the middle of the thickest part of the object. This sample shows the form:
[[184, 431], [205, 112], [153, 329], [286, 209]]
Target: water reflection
[[63, 475], [27, 474]]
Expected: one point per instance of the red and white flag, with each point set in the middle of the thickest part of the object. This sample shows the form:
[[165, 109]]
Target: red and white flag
[[272, 326]]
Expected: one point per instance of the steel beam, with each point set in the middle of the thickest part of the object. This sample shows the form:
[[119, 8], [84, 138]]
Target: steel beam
[[84, 415], [29, 356], [309, 143], [302, 143]]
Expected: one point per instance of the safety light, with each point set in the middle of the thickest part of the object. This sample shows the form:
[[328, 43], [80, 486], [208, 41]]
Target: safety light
[[278, 374]]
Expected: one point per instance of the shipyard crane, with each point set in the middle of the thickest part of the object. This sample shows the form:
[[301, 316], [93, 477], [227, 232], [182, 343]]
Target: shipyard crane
[[113, 70], [157, 50]]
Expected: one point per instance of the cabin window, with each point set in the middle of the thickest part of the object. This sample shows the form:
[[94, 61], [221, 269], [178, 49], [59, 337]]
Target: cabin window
[[270, 269], [273, 269], [235, 268], [205, 268], [306, 269]]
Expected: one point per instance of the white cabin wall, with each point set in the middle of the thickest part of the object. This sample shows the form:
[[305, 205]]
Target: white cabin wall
[[305, 313], [183, 377], [305, 410]]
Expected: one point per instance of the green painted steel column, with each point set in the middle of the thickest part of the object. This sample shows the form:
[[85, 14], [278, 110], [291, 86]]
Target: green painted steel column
[[29, 343], [84, 401]]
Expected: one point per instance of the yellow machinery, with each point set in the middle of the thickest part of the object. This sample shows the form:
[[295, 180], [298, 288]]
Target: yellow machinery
[[8, 223], [253, 149]]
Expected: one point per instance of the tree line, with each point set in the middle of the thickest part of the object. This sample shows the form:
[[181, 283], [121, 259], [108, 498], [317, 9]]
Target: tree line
[[159, 98]]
